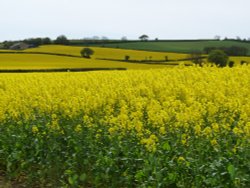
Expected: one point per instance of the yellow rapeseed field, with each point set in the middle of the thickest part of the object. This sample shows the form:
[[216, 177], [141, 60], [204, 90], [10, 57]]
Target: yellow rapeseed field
[[109, 53], [185, 94], [41, 61], [187, 126], [238, 60]]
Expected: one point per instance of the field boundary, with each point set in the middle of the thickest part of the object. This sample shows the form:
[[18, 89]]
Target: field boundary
[[104, 42], [151, 62], [59, 70]]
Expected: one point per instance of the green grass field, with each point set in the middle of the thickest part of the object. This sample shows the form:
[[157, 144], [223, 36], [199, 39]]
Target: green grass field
[[176, 46]]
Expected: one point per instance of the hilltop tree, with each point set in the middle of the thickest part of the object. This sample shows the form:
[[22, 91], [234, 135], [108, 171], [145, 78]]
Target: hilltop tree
[[46, 40], [104, 38], [143, 37], [7, 44], [238, 38], [217, 37], [33, 41], [124, 38], [218, 57], [62, 39], [96, 38], [87, 52]]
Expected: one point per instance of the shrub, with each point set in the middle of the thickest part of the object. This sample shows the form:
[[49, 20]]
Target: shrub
[[243, 62], [231, 63], [218, 57], [127, 57]]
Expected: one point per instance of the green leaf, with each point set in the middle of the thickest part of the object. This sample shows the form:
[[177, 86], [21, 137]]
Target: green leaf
[[71, 180], [139, 175], [172, 176], [68, 172], [166, 146], [231, 170], [83, 177]]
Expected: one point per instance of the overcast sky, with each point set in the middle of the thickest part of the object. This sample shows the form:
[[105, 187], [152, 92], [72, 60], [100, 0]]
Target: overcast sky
[[164, 19]]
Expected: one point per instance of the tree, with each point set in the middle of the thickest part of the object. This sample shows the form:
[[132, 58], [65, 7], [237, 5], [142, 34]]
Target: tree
[[87, 52], [7, 44], [217, 37], [207, 50], [242, 62], [62, 39], [238, 38], [46, 40], [231, 63], [144, 37], [33, 41], [127, 57], [96, 38], [104, 38], [124, 38], [218, 57]]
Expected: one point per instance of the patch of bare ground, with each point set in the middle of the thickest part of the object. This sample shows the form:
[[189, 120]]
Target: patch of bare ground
[[5, 183]]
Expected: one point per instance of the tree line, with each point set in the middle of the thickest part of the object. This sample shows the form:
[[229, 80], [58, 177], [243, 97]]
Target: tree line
[[35, 42], [63, 40], [231, 51]]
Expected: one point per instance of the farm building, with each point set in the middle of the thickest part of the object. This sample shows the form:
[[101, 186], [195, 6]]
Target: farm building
[[19, 46]]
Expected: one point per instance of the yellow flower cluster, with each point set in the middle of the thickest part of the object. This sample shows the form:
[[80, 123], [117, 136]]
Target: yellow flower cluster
[[192, 101], [150, 143]]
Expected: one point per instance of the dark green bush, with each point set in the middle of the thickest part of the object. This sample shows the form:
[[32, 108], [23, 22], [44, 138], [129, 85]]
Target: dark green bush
[[218, 57]]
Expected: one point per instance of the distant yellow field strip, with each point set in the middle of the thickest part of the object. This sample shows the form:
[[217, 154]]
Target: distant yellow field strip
[[33, 61], [109, 53]]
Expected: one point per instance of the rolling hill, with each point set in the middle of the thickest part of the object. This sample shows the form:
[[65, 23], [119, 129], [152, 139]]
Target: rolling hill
[[59, 57], [174, 46]]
